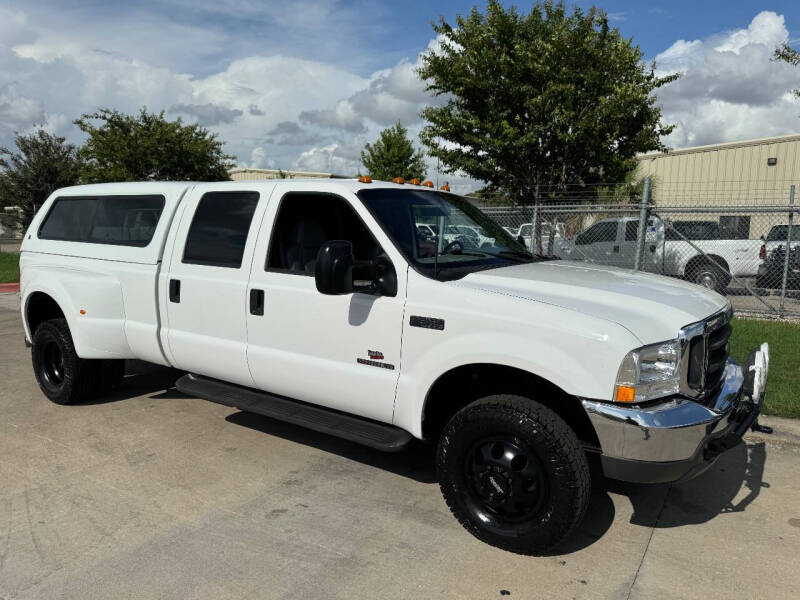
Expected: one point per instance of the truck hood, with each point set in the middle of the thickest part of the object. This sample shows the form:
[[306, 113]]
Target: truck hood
[[651, 307]]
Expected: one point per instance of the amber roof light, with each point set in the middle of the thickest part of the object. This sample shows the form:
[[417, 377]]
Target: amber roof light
[[445, 188], [414, 181], [398, 180], [365, 179], [427, 183]]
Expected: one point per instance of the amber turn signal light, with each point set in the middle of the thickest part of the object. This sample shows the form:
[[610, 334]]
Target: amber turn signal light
[[625, 393]]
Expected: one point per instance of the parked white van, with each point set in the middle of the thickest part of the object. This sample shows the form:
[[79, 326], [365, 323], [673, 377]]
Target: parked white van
[[321, 303]]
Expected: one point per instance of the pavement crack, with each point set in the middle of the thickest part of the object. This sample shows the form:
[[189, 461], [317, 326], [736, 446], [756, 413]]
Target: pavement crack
[[649, 539]]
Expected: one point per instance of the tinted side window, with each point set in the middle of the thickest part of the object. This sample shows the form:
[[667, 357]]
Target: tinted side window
[[118, 220], [631, 231], [305, 221], [600, 232], [218, 232]]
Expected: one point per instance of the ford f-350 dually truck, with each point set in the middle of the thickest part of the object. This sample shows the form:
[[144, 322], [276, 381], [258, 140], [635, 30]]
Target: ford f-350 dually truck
[[320, 303]]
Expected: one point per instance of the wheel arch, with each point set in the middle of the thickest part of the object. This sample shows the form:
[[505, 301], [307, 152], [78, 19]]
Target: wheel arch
[[464, 384], [700, 259], [38, 307]]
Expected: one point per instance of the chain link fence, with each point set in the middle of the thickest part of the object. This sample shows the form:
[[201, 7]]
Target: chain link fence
[[741, 240]]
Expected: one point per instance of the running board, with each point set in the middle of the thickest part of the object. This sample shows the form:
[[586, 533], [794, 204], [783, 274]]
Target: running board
[[356, 429]]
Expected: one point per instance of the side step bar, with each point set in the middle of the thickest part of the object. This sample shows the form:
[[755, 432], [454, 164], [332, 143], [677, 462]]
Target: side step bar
[[356, 429]]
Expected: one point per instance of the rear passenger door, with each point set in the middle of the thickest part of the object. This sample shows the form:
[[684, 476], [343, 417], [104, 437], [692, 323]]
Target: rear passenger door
[[205, 286]]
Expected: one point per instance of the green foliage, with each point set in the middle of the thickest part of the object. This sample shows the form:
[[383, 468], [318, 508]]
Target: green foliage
[[148, 147], [789, 55], [545, 99], [782, 397], [393, 155], [41, 164], [9, 267]]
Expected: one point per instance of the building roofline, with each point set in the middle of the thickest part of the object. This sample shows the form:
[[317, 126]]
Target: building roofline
[[794, 137]]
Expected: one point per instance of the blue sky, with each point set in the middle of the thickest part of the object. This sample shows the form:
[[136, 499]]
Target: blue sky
[[304, 84]]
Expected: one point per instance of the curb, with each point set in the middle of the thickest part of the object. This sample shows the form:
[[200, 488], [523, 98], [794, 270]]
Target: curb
[[9, 287]]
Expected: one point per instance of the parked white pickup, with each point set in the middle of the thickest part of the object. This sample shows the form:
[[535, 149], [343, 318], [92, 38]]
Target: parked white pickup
[[322, 303], [692, 250]]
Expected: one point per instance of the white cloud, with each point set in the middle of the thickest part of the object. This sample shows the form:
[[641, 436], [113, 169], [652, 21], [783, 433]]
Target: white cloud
[[276, 105], [730, 89], [17, 112]]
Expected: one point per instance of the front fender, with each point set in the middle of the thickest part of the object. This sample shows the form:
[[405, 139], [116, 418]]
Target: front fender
[[92, 304], [557, 365]]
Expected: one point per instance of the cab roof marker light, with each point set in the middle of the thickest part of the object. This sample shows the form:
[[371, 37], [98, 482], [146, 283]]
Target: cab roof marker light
[[445, 188], [414, 181], [399, 180], [365, 179], [428, 183]]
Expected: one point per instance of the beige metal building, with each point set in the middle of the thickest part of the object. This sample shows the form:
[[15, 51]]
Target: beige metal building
[[748, 173], [247, 174]]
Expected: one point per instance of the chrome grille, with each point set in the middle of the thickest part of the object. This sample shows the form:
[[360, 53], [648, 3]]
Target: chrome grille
[[707, 354]]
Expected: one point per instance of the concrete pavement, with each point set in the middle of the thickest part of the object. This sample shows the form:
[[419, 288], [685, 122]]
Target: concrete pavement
[[150, 494]]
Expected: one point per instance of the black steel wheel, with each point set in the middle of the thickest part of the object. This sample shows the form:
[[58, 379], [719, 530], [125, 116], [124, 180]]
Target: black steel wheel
[[64, 377], [507, 482], [513, 473]]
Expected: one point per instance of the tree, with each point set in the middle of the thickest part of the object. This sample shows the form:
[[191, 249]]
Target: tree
[[787, 54], [149, 147], [539, 101], [393, 155], [42, 163]]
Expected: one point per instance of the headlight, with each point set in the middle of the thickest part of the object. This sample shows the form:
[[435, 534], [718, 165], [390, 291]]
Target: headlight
[[649, 372]]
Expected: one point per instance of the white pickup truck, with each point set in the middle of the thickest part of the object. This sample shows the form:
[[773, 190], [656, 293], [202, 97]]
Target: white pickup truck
[[320, 303], [692, 250]]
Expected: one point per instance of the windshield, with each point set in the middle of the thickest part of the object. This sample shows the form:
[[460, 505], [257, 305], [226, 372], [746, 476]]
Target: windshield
[[779, 233], [407, 215]]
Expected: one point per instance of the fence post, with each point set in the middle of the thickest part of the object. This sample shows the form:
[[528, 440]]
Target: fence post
[[534, 223], [788, 250], [641, 234]]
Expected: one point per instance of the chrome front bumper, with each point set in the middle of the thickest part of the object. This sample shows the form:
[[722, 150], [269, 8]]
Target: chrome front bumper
[[680, 438]]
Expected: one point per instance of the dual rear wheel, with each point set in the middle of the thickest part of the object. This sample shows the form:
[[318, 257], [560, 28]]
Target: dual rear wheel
[[63, 376]]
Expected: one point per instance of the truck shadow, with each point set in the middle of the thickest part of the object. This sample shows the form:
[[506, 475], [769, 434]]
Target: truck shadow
[[715, 492], [142, 378], [416, 461]]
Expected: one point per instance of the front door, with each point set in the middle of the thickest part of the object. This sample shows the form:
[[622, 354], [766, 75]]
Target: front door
[[598, 244], [338, 351], [205, 283]]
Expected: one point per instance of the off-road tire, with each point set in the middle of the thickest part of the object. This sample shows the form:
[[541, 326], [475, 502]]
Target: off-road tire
[[560, 456], [64, 377]]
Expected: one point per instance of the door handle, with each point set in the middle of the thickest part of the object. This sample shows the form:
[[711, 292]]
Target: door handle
[[256, 302], [175, 290], [616, 248], [652, 247]]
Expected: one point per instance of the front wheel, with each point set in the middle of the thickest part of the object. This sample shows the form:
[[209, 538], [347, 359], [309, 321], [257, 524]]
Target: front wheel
[[64, 377], [513, 473]]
